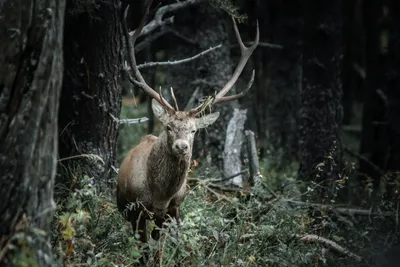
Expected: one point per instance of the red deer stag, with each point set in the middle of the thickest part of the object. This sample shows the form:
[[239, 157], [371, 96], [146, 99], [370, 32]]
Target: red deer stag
[[153, 173]]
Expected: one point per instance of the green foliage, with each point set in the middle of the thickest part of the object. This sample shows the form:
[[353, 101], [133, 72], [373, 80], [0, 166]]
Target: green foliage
[[130, 134], [240, 231], [263, 228]]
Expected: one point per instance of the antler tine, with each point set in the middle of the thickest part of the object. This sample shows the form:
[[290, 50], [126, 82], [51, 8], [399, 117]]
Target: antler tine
[[246, 52], [139, 80], [174, 99]]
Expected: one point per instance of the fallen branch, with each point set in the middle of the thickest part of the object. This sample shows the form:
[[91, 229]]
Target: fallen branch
[[329, 244], [176, 62], [343, 211]]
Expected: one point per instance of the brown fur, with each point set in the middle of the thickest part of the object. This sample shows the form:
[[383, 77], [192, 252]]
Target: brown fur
[[154, 172]]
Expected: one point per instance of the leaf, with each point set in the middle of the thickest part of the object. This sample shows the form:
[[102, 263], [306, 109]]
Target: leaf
[[215, 234], [337, 238]]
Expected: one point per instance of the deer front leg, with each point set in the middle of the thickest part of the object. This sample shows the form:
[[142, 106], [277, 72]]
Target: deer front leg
[[155, 234], [138, 221]]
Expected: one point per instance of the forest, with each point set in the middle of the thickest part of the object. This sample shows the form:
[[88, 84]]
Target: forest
[[199, 133]]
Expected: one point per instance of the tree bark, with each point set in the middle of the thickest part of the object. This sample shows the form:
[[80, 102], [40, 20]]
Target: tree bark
[[206, 27], [31, 70], [91, 94], [321, 111], [233, 146], [381, 132], [353, 56], [374, 135], [281, 88]]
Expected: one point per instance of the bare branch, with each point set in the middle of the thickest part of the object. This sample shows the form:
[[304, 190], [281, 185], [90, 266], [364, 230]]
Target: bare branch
[[129, 121], [181, 36], [151, 38], [176, 62], [158, 17], [329, 244], [364, 159], [343, 211], [261, 44], [133, 121]]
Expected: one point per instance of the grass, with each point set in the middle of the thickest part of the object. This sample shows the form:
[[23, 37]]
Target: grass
[[218, 229]]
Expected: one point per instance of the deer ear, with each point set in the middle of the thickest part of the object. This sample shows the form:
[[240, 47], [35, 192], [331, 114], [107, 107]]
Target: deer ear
[[158, 110], [206, 120]]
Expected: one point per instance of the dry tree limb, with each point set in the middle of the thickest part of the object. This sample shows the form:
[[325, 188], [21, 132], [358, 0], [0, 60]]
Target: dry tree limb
[[129, 121], [329, 244], [364, 159], [176, 62], [340, 210], [262, 44], [158, 17]]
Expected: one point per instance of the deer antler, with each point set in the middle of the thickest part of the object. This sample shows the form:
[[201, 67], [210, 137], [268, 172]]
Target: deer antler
[[139, 80], [246, 52]]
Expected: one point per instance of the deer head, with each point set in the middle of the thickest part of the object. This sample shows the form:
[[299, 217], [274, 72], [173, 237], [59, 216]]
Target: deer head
[[180, 127]]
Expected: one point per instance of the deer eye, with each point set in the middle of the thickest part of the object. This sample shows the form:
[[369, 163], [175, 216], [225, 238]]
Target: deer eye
[[193, 131]]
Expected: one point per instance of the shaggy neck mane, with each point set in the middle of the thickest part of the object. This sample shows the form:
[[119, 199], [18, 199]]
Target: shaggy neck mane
[[166, 172]]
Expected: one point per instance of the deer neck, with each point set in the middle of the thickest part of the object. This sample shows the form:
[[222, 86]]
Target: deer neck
[[166, 171]]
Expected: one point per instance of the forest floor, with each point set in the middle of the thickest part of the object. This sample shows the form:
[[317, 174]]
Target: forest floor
[[273, 225]]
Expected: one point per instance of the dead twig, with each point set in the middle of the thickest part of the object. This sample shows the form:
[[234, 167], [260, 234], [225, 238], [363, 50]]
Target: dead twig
[[329, 244]]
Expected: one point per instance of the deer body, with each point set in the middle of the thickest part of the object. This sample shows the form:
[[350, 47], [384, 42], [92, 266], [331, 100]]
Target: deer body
[[154, 172]]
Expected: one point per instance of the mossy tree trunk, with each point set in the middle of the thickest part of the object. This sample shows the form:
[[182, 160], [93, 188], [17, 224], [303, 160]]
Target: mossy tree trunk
[[91, 94], [321, 110], [31, 70]]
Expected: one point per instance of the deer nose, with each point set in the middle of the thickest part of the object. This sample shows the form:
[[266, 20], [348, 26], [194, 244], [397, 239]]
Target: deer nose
[[181, 147]]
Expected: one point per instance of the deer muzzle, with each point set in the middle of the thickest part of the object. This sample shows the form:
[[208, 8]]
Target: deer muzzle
[[181, 147]]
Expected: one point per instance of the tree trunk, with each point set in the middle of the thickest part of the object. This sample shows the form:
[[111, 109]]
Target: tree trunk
[[31, 68], [91, 94], [353, 56], [374, 133], [206, 27], [233, 146], [321, 112], [381, 132], [282, 87]]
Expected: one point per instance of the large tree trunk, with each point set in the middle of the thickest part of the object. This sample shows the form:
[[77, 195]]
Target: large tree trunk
[[381, 132], [282, 80], [321, 111], [91, 94], [31, 68], [374, 133], [206, 27], [353, 56]]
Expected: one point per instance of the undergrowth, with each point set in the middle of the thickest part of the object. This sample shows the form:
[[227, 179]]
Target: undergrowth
[[274, 225]]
